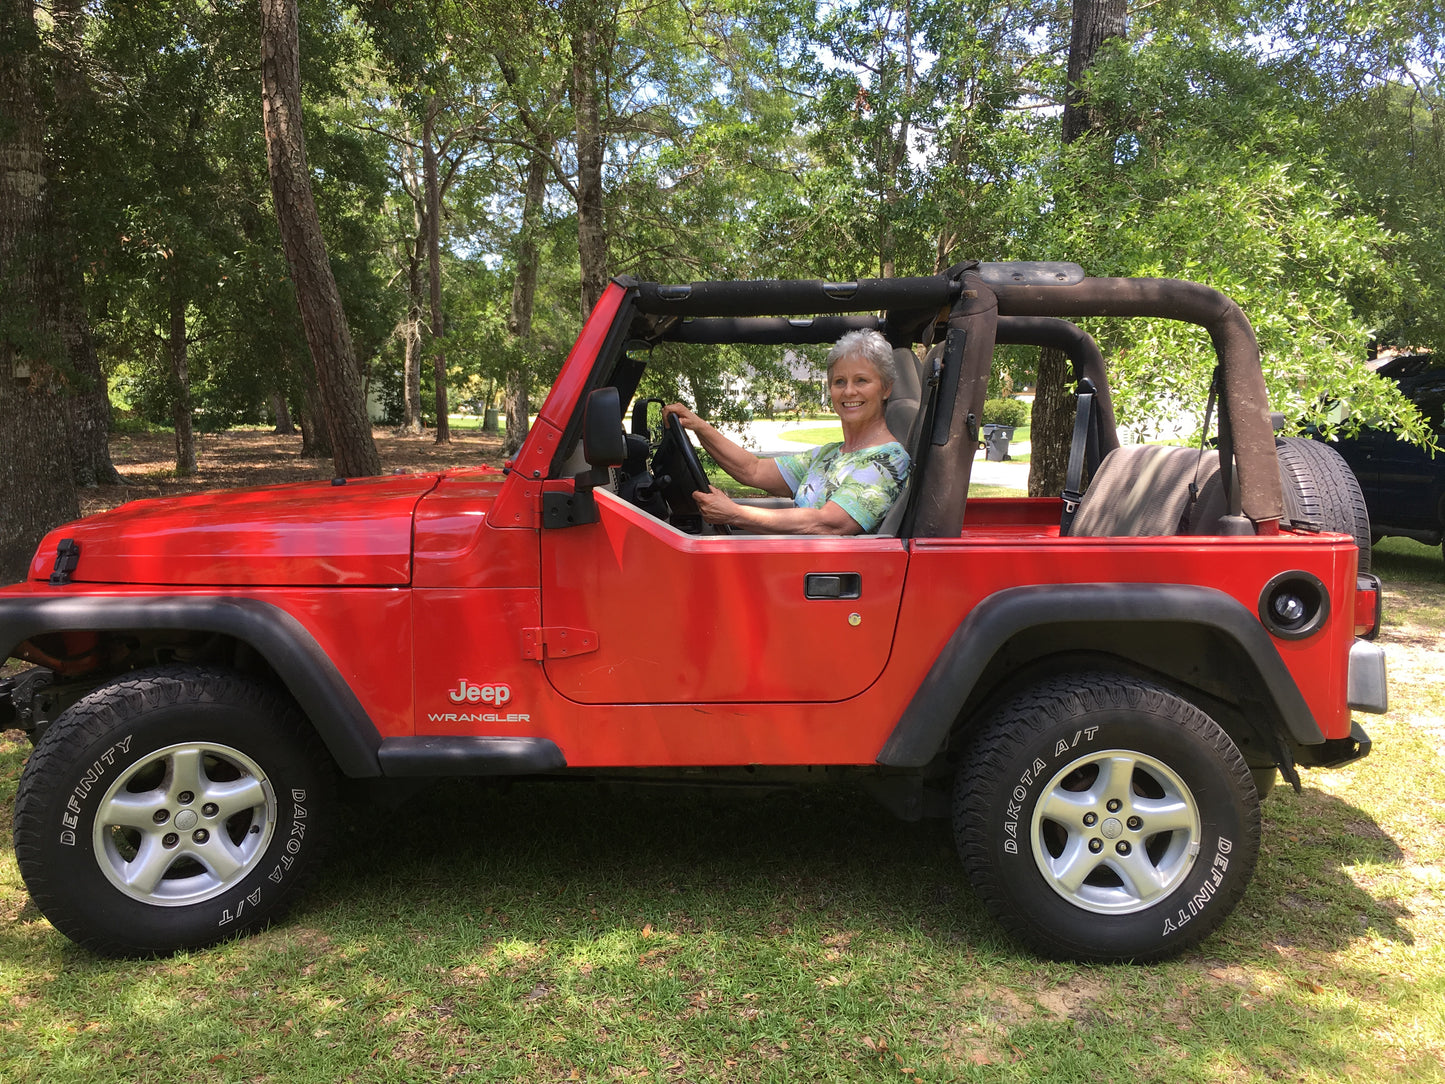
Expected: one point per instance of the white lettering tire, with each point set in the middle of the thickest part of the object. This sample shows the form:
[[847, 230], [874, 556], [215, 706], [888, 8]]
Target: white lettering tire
[[171, 809], [1101, 817]]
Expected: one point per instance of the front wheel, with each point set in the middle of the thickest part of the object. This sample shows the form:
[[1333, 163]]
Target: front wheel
[[1101, 817], [171, 809]]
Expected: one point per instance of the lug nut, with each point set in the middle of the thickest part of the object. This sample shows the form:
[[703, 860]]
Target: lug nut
[[1096, 845], [1090, 819], [1123, 846], [1135, 824], [210, 809], [200, 835], [170, 839], [185, 797], [160, 816], [1115, 805]]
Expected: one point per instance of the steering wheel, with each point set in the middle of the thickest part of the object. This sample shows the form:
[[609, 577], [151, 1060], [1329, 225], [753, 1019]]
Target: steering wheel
[[676, 448], [690, 462]]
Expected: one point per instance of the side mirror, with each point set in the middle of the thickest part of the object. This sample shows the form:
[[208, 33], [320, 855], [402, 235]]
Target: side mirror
[[604, 443]]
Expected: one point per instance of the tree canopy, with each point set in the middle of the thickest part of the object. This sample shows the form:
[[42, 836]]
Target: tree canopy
[[1288, 152]]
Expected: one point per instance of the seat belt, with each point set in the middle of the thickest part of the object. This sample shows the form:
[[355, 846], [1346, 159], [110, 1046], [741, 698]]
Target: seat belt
[[1084, 423], [1203, 442]]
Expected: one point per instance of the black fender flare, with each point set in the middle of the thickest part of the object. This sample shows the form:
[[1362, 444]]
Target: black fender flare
[[291, 651], [923, 729]]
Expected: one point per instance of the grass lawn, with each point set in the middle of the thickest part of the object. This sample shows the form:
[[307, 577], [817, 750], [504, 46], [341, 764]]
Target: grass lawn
[[814, 435], [533, 932]]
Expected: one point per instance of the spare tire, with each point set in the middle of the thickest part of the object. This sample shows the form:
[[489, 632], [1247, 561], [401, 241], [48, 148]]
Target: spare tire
[[1321, 493]]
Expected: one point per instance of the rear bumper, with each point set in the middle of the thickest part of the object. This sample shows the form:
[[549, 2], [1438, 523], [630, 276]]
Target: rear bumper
[[1336, 752]]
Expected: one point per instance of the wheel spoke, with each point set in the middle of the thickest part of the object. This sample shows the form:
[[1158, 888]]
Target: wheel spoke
[[1139, 874], [187, 773], [145, 871], [1072, 868], [1164, 815], [219, 856], [125, 810], [236, 796], [1115, 781], [1066, 808]]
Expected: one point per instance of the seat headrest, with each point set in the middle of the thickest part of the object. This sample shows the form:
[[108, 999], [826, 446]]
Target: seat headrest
[[905, 397]]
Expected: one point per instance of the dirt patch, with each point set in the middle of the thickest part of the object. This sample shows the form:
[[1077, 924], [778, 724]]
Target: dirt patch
[[247, 457], [1074, 1000]]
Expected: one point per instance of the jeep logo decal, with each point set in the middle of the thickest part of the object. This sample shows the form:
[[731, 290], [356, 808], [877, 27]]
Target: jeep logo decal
[[467, 693]]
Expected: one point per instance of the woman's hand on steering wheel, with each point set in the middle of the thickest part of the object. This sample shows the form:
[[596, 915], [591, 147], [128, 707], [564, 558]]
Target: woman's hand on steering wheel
[[717, 508], [685, 417], [674, 424]]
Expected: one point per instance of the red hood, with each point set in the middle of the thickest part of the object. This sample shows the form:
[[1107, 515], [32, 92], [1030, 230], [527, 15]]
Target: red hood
[[298, 534]]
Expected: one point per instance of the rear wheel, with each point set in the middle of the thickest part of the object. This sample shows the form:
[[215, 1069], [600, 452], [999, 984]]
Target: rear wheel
[[172, 809], [1101, 817]]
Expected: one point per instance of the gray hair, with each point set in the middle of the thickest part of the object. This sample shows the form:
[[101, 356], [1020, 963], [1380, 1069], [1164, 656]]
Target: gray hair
[[867, 345]]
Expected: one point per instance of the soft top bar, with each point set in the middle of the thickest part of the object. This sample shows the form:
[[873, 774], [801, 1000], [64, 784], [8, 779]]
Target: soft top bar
[[1246, 400], [769, 330], [782, 297]]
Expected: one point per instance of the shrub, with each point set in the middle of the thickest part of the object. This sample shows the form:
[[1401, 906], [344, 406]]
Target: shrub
[[1005, 412]]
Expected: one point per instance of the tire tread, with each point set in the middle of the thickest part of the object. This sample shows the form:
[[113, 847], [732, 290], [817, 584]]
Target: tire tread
[[1321, 493]]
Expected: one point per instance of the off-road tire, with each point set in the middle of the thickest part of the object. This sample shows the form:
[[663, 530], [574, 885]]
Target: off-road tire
[[171, 809], [1172, 765], [1321, 493]]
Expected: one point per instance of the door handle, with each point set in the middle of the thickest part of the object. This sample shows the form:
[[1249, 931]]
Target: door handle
[[838, 585]]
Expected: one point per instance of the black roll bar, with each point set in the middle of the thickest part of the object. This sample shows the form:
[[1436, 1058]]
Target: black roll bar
[[1246, 401]]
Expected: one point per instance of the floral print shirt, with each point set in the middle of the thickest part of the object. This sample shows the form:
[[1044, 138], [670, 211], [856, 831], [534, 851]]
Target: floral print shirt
[[864, 483]]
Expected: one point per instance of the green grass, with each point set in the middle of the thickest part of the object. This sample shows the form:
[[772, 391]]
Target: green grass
[[474, 421], [1402, 560], [821, 434], [552, 933]]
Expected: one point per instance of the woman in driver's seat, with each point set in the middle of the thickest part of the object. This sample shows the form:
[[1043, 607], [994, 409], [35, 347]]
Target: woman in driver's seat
[[842, 488]]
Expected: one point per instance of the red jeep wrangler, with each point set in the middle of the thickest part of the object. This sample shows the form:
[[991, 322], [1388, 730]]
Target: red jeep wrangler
[[1097, 689]]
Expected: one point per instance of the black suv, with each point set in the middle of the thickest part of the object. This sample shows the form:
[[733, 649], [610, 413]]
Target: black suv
[[1404, 485]]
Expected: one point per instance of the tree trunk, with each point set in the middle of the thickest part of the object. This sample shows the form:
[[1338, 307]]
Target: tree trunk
[[36, 488], [343, 401], [1054, 410], [180, 380], [87, 404], [285, 427], [1095, 22], [315, 439], [1052, 419], [434, 265], [891, 162], [411, 377], [524, 293], [586, 108]]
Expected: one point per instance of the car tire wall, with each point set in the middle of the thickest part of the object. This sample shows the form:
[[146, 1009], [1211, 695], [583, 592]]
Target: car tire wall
[[171, 809], [1321, 493]]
